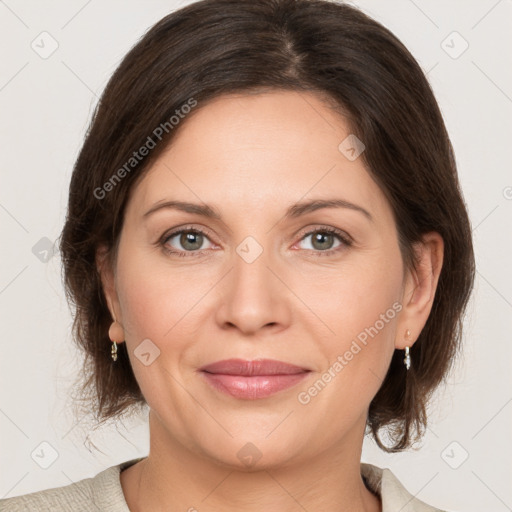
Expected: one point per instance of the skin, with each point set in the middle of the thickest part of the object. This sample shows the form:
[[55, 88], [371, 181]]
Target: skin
[[251, 157]]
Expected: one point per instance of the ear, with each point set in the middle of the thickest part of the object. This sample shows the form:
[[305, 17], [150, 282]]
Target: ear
[[106, 271], [420, 288]]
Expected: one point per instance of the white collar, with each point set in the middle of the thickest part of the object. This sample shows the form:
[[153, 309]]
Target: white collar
[[394, 496]]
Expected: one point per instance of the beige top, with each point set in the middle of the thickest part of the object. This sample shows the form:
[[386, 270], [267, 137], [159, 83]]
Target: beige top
[[104, 493]]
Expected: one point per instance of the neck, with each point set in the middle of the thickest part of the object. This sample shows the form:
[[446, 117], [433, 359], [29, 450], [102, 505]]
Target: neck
[[173, 477]]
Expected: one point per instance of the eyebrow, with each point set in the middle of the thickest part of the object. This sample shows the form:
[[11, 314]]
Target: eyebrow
[[292, 212]]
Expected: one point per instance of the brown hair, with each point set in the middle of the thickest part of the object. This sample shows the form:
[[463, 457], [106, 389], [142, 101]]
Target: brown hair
[[214, 47]]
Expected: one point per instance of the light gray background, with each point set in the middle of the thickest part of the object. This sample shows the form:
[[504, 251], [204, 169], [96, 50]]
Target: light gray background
[[45, 106]]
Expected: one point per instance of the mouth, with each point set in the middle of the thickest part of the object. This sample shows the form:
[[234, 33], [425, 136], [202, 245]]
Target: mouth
[[251, 380]]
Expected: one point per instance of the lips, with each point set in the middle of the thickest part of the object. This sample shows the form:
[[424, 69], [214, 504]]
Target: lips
[[251, 380], [252, 368]]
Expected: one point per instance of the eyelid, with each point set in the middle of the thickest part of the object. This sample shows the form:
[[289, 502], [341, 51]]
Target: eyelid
[[346, 241], [329, 229], [178, 230]]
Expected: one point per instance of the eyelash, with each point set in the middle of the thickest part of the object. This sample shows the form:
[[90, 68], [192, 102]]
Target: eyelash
[[343, 237]]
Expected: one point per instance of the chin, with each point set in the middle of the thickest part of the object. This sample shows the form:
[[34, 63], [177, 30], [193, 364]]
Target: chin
[[253, 453]]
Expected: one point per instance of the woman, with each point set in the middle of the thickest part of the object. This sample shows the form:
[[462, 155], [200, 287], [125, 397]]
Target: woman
[[233, 142]]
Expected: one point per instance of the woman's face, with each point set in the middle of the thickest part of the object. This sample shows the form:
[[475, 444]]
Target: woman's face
[[262, 279]]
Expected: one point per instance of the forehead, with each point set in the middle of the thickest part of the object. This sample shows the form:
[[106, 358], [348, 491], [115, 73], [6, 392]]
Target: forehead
[[258, 151]]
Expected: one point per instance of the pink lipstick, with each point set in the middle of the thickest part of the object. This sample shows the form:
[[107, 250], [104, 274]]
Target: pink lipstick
[[251, 380]]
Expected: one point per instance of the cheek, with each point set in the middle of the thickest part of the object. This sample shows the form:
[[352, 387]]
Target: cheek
[[160, 304], [351, 298], [153, 299], [162, 301], [360, 304]]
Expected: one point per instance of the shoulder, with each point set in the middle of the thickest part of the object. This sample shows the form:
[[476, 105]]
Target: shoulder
[[394, 496], [101, 492]]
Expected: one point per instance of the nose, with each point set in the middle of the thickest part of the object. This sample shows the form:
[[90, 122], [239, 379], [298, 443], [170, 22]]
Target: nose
[[254, 296]]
